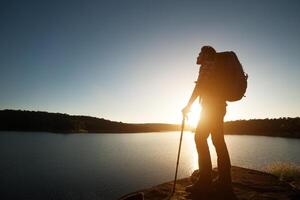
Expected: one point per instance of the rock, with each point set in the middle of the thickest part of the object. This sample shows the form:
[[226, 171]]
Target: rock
[[247, 184], [133, 196]]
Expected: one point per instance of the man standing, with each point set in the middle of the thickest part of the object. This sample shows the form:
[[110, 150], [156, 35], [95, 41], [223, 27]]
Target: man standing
[[211, 122]]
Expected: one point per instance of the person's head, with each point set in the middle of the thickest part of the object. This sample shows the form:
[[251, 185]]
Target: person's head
[[207, 54]]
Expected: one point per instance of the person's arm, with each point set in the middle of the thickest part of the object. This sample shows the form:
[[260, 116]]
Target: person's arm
[[193, 97]]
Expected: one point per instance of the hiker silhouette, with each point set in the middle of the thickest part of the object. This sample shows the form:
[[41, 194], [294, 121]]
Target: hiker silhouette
[[213, 101]]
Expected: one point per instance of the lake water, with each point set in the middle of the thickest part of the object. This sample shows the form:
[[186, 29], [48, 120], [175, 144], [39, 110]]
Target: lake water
[[106, 166]]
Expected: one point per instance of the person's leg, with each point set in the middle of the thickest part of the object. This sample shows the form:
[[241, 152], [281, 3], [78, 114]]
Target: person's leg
[[204, 182], [217, 134], [204, 159]]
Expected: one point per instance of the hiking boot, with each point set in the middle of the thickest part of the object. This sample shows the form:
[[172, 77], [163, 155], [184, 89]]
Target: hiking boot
[[224, 189]]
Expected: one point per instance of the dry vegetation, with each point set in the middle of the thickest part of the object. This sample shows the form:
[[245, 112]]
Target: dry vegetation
[[284, 171]]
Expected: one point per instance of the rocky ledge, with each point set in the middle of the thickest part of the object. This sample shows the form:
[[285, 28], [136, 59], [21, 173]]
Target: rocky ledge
[[247, 184]]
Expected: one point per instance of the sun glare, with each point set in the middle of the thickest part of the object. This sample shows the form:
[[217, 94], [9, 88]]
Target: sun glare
[[194, 115]]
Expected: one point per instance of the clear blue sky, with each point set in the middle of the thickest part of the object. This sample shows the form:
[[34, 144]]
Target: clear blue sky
[[134, 61]]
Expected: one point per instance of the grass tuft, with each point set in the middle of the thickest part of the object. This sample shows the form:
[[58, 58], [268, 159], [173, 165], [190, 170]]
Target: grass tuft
[[284, 171]]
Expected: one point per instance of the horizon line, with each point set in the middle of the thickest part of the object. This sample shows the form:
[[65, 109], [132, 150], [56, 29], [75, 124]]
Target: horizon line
[[79, 115]]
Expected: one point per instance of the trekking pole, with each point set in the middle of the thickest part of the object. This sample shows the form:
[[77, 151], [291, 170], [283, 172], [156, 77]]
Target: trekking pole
[[178, 156]]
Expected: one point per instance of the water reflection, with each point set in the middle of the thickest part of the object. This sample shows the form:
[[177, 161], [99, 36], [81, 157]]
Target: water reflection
[[105, 166]]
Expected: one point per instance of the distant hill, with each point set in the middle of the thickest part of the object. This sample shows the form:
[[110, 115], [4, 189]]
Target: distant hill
[[19, 120], [281, 127]]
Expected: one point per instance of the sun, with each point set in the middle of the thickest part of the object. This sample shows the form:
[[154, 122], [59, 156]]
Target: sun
[[194, 115]]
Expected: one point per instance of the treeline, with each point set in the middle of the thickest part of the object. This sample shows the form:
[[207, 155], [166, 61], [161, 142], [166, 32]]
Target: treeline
[[281, 127], [18, 120]]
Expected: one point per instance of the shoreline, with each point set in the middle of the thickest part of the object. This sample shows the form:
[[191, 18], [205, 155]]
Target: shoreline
[[39, 121], [277, 135]]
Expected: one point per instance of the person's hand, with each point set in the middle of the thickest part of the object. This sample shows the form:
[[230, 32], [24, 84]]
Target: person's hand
[[186, 110]]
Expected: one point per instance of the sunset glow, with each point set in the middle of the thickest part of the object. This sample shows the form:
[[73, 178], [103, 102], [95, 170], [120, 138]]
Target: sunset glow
[[141, 67], [194, 115], [149, 99]]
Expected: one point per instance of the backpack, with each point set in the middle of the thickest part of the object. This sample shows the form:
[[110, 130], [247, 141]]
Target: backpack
[[230, 78]]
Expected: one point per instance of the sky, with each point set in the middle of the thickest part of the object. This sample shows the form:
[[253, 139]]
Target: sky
[[134, 61]]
